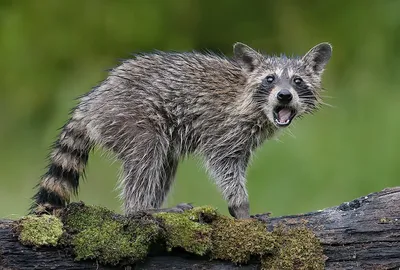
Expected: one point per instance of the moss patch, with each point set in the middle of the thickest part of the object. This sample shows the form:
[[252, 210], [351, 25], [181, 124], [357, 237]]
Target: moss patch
[[297, 248], [386, 220], [97, 233], [238, 240], [203, 231], [92, 232], [36, 231], [189, 230]]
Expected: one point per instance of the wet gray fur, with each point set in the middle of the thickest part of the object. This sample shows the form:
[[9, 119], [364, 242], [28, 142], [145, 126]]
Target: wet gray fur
[[156, 108]]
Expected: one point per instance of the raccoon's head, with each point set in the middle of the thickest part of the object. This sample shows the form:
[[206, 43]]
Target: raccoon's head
[[284, 88]]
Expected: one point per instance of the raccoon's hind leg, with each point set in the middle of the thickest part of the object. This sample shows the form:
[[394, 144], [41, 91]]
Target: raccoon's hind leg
[[149, 170]]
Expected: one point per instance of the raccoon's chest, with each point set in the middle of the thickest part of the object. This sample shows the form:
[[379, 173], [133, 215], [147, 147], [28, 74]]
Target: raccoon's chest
[[261, 131]]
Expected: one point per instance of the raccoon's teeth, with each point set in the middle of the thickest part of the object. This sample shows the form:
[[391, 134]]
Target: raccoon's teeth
[[282, 123]]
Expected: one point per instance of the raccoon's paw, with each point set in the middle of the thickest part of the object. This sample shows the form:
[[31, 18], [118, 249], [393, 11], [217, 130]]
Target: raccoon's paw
[[180, 208], [241, 211], [261, 217], [45, 209]]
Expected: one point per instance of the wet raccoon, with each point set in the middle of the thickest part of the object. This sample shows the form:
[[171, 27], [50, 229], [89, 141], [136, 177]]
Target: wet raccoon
[[158, 107]]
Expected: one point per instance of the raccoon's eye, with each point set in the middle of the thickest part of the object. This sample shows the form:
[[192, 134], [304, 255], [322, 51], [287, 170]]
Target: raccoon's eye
[[270, 78], [298, 80]]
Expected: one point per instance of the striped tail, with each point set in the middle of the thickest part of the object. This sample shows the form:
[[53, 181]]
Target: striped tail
[[67, 162]]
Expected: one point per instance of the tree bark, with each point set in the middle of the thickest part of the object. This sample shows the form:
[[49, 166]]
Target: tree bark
[[361, 234]]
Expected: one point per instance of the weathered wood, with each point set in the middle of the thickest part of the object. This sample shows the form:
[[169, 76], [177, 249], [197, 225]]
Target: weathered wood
[[361, 234]]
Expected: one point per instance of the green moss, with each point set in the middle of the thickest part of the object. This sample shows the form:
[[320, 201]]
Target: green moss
[[79, 216], [92, 232], [238, 240], [386, 220], [189, 230], [97, 233], [45, 230], [297, 248]]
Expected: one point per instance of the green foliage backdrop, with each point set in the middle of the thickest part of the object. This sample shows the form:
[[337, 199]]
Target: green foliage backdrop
[[52, 51]]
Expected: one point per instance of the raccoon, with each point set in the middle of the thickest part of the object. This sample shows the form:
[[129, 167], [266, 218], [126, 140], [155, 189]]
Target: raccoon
[[155, 109]]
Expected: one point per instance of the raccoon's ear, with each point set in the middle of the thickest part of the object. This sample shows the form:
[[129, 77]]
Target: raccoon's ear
[[318, 56], [246, 56]]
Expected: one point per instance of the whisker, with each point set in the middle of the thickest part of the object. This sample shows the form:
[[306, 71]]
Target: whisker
[[308, 97], [289, 132], [327, 104], [324, 96]]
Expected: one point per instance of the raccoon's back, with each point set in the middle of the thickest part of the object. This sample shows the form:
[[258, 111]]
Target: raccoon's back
[[179, 73], [175, 83]]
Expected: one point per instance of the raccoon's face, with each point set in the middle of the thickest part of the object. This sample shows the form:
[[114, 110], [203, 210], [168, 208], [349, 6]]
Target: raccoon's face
[[285, 88]]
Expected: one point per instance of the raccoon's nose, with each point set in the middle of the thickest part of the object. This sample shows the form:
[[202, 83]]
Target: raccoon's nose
[[284, 96]]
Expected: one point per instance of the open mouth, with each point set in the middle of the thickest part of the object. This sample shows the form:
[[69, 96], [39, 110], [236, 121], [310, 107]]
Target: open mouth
[[283, 116]]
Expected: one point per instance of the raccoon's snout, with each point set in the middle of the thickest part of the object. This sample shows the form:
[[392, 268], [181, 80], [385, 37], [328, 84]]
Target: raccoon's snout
[[284, 109], [284, 96]]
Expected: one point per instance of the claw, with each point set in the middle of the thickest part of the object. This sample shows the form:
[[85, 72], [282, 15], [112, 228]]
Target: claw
[[261, 217], [185, 206], [48, 209]]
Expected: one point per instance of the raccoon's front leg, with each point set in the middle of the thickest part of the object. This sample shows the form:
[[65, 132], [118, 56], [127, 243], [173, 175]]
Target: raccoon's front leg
[[229, 174]]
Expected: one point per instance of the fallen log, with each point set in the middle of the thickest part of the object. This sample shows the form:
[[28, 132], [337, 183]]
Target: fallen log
[[361, 234]]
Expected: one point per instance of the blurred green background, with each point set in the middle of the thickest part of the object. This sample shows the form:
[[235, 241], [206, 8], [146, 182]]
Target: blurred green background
[[52, 51]]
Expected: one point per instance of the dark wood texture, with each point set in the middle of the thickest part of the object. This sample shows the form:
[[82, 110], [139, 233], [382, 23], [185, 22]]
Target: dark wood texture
[[361, 234]]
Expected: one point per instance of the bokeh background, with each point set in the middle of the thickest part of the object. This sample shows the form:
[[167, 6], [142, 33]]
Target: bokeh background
[[53, 51]]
